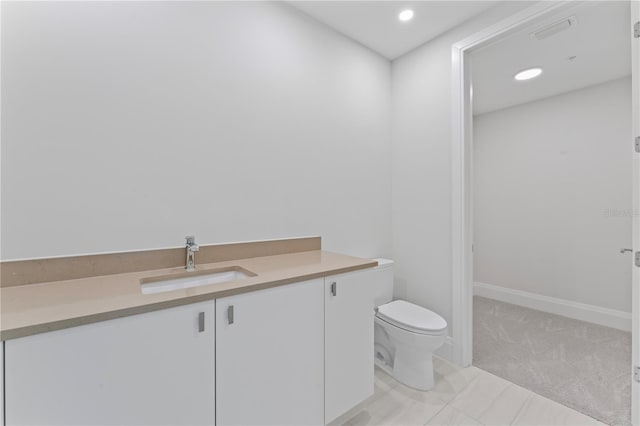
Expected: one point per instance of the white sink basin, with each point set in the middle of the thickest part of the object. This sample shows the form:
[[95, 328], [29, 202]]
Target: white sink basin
[[192, 279]]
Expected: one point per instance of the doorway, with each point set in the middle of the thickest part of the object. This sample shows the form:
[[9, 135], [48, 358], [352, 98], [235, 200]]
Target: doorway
[[536, 17]]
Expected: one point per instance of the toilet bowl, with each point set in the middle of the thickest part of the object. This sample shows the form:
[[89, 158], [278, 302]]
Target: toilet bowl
[[405, 336], [408, 335]]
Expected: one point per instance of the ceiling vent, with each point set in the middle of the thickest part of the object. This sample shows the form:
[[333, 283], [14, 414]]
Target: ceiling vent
[[555, 28]]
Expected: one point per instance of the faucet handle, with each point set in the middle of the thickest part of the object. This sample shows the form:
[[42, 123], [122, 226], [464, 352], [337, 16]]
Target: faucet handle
[[191, 240]]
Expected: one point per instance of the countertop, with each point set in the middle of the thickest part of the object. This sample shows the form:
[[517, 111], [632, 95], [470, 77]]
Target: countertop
[[37, 308]]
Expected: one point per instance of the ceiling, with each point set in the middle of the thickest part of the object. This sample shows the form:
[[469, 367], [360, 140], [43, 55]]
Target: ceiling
[[600, 42], [375, 24]]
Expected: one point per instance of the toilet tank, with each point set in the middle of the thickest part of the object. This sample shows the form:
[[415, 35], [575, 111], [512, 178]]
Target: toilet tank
[[383, 285]]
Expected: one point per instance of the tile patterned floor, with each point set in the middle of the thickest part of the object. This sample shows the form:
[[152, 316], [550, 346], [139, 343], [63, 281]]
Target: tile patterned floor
[[468, 396]]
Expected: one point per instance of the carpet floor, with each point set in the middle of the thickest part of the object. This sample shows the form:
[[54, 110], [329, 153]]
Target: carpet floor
[[578, 364]]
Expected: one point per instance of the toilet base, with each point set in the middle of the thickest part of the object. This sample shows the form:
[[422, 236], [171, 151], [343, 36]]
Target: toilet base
[[416, 374], [413, 371]]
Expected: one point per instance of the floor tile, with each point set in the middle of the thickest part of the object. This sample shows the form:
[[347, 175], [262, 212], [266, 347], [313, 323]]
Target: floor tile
[[506, 407], [461, 396], [539, 410], [383, 382], [392, 411], [399, 405], [450, 379], [480, 394], [451, 416]]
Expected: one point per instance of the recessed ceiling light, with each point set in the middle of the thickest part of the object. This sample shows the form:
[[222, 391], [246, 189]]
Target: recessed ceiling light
[[405, 15], [528, 74]]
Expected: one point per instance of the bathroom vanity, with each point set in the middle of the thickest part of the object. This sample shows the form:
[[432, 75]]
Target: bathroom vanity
[[292, 344]]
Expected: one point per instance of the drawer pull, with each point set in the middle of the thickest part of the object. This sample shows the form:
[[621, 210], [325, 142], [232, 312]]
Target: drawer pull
[[201, 322], [230, 314]]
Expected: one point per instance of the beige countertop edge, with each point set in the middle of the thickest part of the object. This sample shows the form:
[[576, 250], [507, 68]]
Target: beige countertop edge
[[31, 330]]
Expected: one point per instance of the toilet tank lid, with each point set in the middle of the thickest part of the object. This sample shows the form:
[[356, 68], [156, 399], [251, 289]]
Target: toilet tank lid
[[384, 263]]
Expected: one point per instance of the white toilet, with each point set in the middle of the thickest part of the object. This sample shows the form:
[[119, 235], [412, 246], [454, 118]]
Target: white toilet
[[406, 335]]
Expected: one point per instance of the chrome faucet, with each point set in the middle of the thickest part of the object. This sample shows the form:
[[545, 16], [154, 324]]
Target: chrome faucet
[[192, 248]]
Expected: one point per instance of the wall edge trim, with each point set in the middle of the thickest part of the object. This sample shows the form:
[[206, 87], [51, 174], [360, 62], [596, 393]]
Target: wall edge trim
[[581, 311]]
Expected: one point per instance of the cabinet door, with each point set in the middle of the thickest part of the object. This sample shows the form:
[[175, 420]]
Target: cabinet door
[[155, 368], [269, 357], [349, 313]]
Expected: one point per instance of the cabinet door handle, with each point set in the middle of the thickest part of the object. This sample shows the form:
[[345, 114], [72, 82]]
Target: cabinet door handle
[[201, 322], [334, 288], [230, 314]]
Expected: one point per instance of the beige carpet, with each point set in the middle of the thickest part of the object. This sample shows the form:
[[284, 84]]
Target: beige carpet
[[581, 365]]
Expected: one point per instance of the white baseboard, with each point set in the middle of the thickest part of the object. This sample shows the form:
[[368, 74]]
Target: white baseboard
[[580, 311], [446, 350]]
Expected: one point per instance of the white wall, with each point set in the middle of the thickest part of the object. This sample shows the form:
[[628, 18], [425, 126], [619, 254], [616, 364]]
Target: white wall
[[129, 125], [421, 187], [553, 196]]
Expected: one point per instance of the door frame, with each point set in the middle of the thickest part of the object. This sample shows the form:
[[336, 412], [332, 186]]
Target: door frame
[[462, 167], [462, 177], [635, 281]]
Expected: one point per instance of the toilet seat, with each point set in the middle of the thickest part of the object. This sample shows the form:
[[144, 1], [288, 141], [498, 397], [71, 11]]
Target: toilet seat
[[410, 317]]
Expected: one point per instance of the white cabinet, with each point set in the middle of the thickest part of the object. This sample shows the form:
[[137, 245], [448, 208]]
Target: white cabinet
[[270, 356], [349, 314], [296, 354], [155, 368]]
